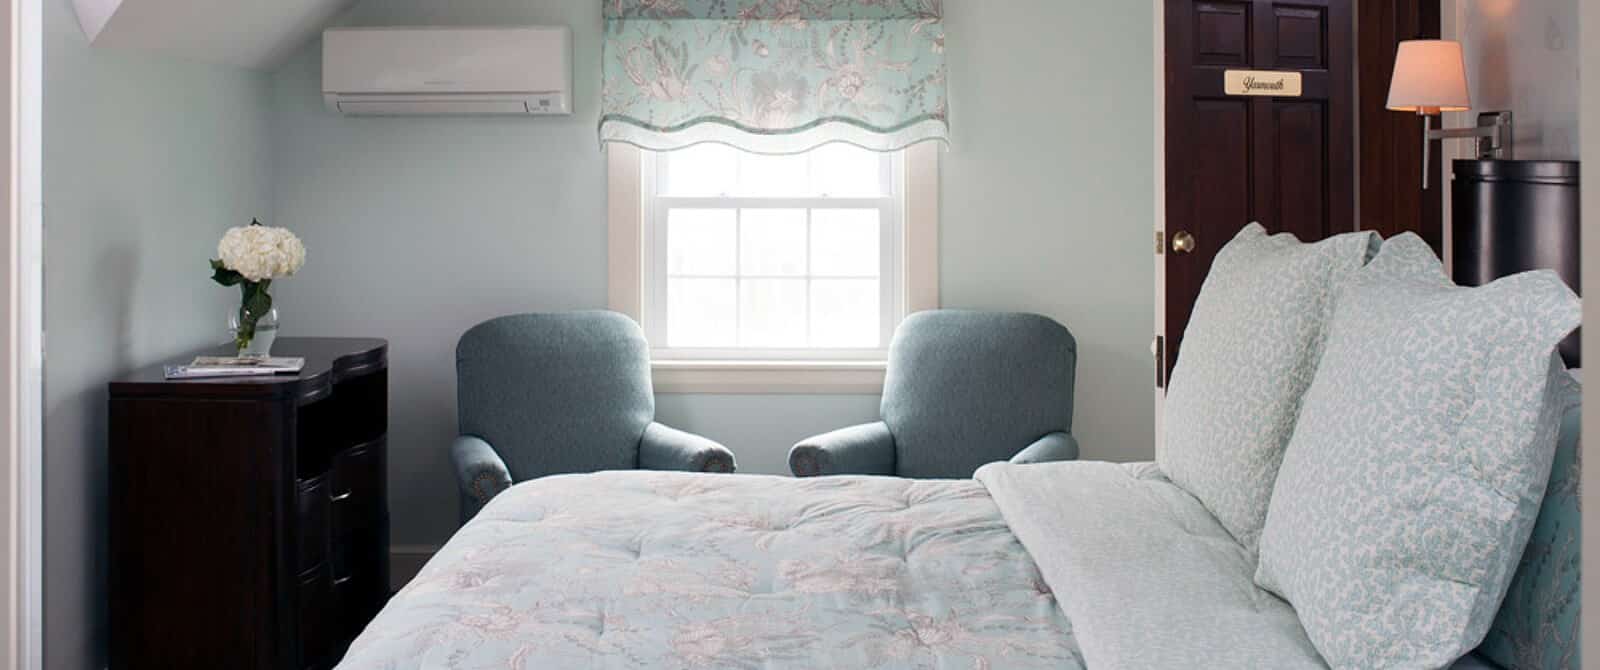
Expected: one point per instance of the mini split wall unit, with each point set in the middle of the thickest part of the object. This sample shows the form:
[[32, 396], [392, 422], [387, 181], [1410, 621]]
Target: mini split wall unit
[[456, 71]]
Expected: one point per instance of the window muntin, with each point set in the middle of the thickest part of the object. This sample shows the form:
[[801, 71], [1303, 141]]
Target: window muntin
[[751, 257]]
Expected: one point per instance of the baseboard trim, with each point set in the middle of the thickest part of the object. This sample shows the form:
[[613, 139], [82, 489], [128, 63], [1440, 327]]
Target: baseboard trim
[[406, 560]]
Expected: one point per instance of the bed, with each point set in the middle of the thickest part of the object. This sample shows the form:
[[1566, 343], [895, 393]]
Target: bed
[[1061, 565]]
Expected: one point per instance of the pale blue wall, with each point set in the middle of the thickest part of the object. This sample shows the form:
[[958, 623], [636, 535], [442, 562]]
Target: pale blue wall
[[418, 228], [146, 161]]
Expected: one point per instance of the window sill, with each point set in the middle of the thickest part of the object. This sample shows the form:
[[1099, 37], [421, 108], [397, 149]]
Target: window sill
[[769, 377]]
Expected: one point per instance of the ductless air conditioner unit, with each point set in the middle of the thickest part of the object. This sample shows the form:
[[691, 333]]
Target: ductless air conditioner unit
[[394, 71]]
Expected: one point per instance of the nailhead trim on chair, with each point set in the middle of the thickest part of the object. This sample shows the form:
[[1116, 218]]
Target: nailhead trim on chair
[[480, 486], [804, 464]]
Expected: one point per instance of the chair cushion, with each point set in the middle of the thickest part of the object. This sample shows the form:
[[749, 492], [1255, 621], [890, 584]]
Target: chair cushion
[[968, 388], [1419, 460], [556, 393], [1247, 356]]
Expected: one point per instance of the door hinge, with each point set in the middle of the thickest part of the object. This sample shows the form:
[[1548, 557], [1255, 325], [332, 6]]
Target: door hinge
[[1161, 242]]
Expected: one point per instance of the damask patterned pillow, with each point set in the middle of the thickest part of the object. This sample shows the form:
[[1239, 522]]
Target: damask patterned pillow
[[1248, 355], [1419, 459]]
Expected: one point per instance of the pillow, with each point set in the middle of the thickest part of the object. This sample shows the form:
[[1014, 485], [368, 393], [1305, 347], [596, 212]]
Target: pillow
[[1248, 355], [1537, 627], [1419, 459]]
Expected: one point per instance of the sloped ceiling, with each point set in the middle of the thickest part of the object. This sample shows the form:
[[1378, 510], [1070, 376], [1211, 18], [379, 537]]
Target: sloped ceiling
[[255, 34]]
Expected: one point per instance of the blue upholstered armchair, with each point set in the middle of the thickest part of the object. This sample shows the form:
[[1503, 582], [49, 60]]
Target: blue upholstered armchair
[[963, 389], [545, 394]]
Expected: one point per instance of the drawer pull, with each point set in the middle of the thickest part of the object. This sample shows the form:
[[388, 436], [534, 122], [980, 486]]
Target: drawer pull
[[341, 497], [341, 581]]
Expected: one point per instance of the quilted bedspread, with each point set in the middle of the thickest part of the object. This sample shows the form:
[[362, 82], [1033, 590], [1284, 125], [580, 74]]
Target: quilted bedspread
[[670, 570]]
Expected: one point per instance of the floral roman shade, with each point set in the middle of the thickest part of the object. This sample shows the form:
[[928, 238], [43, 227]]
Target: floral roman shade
[[774, 76]]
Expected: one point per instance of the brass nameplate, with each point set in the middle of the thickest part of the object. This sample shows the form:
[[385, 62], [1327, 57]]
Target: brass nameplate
[[1262, 82]]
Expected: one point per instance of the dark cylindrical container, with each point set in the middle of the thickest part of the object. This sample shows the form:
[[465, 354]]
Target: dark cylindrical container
[[1513, 216]]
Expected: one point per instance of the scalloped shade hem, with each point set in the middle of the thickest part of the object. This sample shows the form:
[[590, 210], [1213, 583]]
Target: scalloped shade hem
[[801, 141]]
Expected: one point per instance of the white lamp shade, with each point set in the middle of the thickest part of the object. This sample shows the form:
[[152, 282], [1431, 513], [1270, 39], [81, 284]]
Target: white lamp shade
[[1430, 76]]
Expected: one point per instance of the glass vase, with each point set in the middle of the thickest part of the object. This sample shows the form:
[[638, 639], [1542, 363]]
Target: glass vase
[[259, 343]]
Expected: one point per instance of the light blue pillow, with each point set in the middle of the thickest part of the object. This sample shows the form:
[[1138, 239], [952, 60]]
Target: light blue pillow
[[1419, 460], [1248, 355]]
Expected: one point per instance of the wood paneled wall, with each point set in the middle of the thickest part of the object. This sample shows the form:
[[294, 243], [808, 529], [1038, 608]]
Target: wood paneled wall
[[1390, 143]]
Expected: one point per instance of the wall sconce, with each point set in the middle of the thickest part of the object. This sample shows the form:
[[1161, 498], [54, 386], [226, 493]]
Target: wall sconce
[[1430, 77]]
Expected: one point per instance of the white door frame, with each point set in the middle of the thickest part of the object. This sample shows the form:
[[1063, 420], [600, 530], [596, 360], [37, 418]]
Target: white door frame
[[21, 334]]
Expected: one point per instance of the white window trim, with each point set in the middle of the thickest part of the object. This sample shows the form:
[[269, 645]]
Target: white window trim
[[21, 336], [919, 256]]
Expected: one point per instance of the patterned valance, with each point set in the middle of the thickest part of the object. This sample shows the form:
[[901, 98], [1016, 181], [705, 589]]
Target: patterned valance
[[774, 76]]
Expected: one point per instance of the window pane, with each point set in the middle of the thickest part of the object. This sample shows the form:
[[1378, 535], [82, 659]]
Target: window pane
[[845, 243], [844, 313], [702, 313], [701, 171], [844, 171], [772, 242], [701, 242], [772, 313], [773, 176]]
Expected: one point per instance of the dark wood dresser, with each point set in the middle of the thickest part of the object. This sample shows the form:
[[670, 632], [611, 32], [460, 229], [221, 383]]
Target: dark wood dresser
[[249, 517]]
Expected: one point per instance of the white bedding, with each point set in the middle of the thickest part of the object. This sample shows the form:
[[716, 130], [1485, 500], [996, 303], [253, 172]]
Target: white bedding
[[1155, 580]]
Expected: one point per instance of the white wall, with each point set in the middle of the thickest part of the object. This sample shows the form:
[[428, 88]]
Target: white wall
[[1522, 55], [146, 162], [419, 228]]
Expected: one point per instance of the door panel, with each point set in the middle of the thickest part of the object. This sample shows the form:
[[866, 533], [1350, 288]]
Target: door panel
[[1300, 33], [1222, 33], [1302, 178], [1286, 162]]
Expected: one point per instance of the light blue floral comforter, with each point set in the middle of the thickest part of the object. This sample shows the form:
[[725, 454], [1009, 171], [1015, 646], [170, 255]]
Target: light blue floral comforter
[[670, 570]]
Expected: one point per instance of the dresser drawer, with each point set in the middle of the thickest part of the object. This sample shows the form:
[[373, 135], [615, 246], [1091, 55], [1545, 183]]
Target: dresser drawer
[[315, 511], [360, 578], [320, 632], [358, 485]]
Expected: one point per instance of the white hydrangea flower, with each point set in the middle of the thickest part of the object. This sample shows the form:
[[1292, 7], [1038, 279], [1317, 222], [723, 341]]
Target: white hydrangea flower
[[260, 253]]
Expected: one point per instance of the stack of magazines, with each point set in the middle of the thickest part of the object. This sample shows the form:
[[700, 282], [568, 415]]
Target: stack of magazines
[[221, 366]]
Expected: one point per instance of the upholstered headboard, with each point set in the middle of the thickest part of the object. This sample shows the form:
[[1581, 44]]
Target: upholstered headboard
[[1537, 628]]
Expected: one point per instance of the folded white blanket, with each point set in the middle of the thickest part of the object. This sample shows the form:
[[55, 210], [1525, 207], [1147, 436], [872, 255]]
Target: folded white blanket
[[1148, 578]]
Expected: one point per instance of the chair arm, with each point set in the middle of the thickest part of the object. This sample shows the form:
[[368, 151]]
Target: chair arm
[[867, 449], [664, 448], [1052, 447], [480, 474]]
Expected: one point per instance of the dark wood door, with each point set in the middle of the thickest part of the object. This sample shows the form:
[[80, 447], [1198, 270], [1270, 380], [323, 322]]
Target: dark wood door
[[1287, 162]]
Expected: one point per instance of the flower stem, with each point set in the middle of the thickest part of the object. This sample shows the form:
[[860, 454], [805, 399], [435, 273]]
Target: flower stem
[[254, 303]]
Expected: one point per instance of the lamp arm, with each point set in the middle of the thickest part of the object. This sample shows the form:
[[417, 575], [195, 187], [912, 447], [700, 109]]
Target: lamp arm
[[1493, 126], [1427, 147], [1463, 133]]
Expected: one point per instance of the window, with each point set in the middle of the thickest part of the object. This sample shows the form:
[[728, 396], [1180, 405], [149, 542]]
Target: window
[[772, 274], [777, 258]]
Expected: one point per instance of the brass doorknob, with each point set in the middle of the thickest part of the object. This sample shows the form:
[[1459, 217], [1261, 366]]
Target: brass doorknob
[[1183, 242]]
